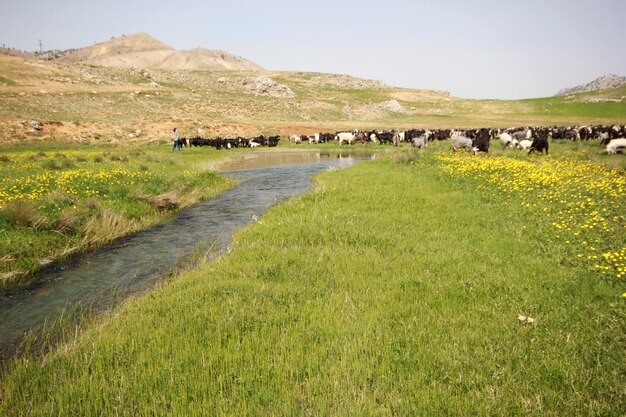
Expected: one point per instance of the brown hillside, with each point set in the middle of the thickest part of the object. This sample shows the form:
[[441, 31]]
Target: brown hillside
[[139, 42], [143, 51], [201, 58]]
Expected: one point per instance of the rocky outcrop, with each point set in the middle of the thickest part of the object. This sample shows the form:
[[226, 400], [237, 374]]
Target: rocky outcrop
[[261, 85], [602, 83], [347, 81], [392, 106]]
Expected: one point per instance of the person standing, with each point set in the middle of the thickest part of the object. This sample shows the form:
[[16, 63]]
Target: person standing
[[175, 143]]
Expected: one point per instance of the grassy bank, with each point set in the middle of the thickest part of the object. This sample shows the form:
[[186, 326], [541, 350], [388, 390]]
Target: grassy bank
[[55, 201], [390, 289]]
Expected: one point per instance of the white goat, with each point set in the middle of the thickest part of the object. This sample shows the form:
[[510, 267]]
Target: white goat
[[616, 146], [507, 140], [463, 142], [419, 142], [315, 138], [525, 144], [345, 137]]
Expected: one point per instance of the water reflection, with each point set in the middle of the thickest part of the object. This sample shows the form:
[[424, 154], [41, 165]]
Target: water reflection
[[260, 160]]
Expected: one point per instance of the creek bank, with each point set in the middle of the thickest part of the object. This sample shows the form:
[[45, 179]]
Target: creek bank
[[104, 277]]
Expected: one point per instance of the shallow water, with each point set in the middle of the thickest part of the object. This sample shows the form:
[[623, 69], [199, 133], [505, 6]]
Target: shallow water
[[105, 277]]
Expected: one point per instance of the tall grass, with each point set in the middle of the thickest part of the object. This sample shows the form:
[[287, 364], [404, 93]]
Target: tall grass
[[74, 199], [389, 289]]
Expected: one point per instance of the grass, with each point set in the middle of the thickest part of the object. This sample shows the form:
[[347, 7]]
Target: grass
[[392, 288], [60, 200], [556, 107], [7, 81]]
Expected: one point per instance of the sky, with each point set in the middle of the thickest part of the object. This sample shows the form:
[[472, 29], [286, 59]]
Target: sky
[[497, 49]]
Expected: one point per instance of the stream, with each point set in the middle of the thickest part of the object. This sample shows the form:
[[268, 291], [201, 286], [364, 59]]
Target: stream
[[103, 278]]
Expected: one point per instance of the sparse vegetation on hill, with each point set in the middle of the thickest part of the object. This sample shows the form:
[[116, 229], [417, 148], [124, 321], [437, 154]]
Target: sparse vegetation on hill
[[79, 103]]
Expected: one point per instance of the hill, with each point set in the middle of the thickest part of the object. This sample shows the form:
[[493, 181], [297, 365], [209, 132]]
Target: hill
[[601, 83], [143, 51], [61, 100]]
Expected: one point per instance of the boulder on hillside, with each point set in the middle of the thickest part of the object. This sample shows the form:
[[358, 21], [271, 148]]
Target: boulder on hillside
[[392, 106], [261, 85]]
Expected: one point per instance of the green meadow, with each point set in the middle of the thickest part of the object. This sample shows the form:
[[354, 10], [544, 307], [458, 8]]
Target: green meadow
[[410, 285]]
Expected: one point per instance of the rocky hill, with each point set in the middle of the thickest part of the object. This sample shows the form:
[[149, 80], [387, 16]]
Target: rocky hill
[[143, 51], [601, 83]]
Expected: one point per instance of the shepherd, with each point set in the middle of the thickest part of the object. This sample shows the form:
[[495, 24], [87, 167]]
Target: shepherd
[[175, 143]]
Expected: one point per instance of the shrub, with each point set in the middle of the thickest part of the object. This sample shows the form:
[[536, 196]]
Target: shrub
[[59, 198], [106, 226], [38, 156], [67, 221], [22, 213], [51, 164], [120, 158], [404, 157], [91, 203], [67, 163], [167, 201]]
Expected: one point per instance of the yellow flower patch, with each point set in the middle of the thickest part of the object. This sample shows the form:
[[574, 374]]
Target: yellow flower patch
[[584, 201], [24, 178]]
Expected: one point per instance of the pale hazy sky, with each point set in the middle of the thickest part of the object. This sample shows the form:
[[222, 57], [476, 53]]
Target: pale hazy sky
[[475, 49]]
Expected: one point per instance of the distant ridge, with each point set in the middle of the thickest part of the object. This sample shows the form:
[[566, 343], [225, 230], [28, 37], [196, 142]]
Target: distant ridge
[[601, 83], [141, 50]]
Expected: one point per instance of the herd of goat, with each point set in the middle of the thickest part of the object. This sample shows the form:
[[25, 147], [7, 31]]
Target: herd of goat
[[229, 143], [476, 140]]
